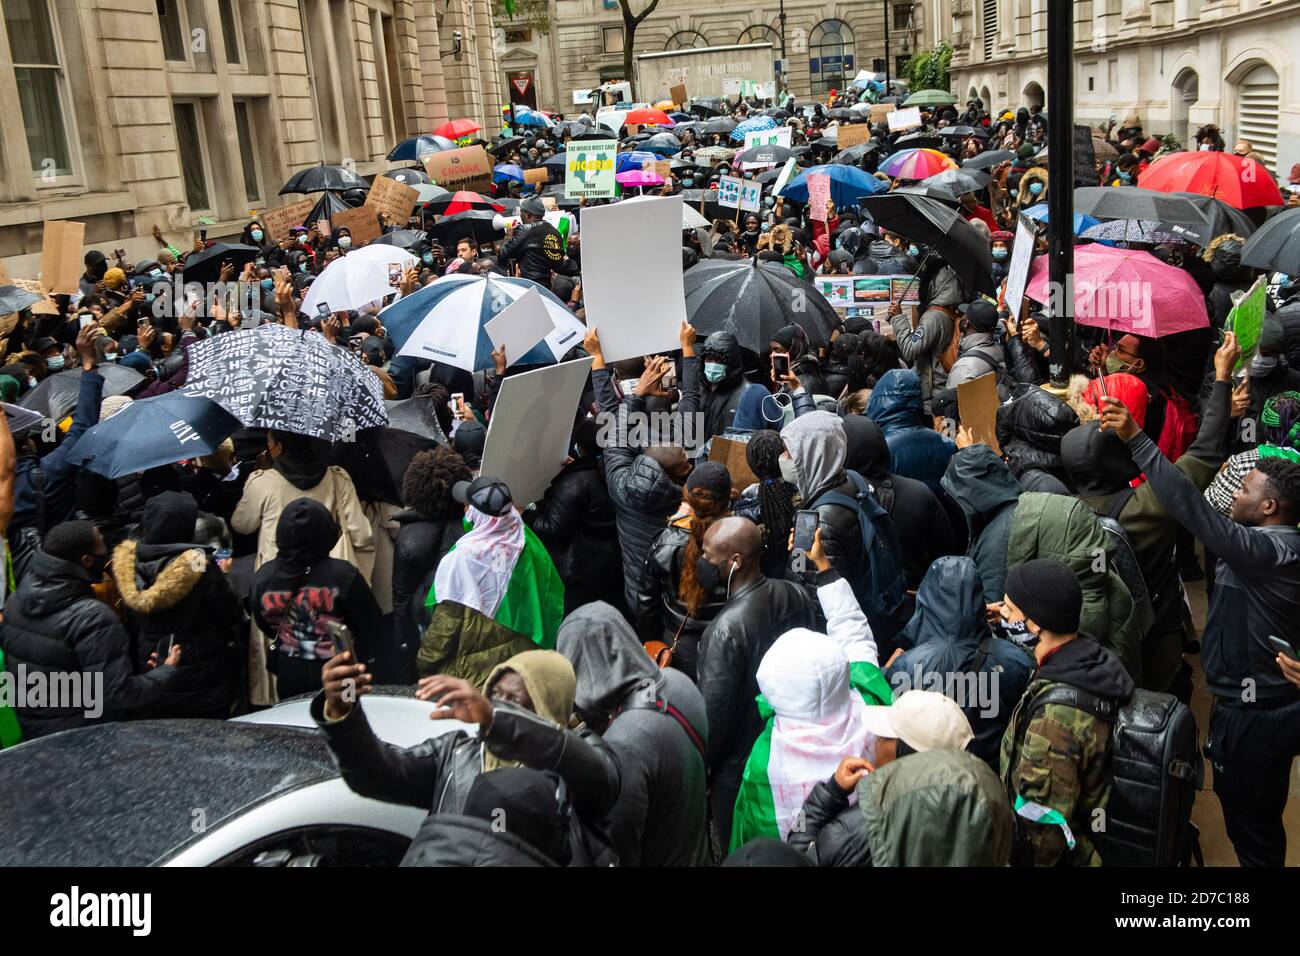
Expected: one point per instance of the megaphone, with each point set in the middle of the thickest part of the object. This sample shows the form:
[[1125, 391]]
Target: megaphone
[[503, 223]]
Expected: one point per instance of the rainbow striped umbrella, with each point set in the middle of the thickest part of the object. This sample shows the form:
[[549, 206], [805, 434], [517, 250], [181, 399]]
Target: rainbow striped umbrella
[[916, 164]]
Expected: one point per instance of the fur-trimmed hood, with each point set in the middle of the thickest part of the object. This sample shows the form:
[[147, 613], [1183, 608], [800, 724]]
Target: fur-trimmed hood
[[175, 578]]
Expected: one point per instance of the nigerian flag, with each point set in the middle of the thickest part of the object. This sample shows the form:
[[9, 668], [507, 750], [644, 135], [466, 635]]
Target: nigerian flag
[[757, 812], [501, 569]]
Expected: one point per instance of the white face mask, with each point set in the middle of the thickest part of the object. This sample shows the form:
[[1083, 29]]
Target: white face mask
[[345, 242], [1206, 147]]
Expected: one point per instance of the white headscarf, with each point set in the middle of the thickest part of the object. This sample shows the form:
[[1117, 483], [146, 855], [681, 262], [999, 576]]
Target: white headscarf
[[477, 571]]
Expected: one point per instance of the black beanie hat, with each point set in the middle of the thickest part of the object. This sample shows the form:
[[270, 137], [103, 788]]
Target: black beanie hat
[[1049, 594]]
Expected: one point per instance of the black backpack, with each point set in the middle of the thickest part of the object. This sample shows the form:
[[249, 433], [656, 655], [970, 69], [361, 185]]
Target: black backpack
[[1156, 769], [884, 556]]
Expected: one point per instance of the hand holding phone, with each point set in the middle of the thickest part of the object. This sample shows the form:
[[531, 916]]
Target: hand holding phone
[[341, 636], [1284, 648], [805, 530], [780, 366], [323, 311]]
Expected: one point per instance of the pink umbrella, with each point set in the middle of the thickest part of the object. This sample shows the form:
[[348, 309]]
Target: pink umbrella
[[1126, 291], [640, 177]]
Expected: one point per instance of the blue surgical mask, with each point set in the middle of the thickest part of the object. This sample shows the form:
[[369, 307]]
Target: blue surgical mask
[[1125, 176], [428, 258], [268, 285], [715, 371], [1035, 188], [54, 364], [999, 254], [688, 183], [913, 251], [257, 235], [110, 356], [302, 267]]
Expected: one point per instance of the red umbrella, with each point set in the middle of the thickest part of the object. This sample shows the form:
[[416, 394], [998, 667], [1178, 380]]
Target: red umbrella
[[647, 116], [1236, 180], [455, 129], [461, 201]]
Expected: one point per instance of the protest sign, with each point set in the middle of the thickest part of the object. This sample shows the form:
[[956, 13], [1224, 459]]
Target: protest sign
[[766, 137], [730, 453], [751, 196], [361, 222], [537, 177], [532, 426], [880, 112], [520, 326], [1246, 321], [851, 134], [677, 94], [786, 172], [46, 306], [837, 290], [589, 169], [731, 87], [977, 403], [627, 249], [61, 259], [900, 120], [469, 167], [4, 275], [819, 195], [905, 290], [872, 289], [1018, 271], [729, 191], [279, 221], [395, 200]]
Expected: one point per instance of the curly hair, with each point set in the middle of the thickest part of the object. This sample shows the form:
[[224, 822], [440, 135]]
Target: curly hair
[[428, 481], [707, 506], [1284, 480], [775, 499]]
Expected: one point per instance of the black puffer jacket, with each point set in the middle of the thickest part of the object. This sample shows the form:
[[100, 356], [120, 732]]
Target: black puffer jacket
[[452, 839], [1229, 277], [659, 612], [538, 248], [53, 623], [1029, 429], [421, 544], [575, 520], [1025, 364]]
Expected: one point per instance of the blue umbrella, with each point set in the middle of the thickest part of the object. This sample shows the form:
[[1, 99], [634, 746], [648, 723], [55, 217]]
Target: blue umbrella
[[507, 171], [848, 184], [414, 150], [633, 159], [757, 124], [526, 117], [680, 117], [1081, 222], [155, 431]]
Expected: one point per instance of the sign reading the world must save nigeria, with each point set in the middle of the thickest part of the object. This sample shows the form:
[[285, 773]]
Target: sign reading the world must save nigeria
[[589, 169]]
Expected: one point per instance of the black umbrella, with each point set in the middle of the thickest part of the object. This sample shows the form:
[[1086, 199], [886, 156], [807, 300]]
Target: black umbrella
[[768, 155], [963, 131], [926, 139], [933, 192], [1220, 216], [709, 197], [570, 128], [378, 459], [155, 431], [955, 182], [325, 208], [556, 162], [1276, 246], [414, 150], [411, 177], [723, 125], [205, 266], [1134, 202], [940, 227], [475, 224], [14, 299], [56, 395], [317, 179], [505, 145], [752, 300], [401, 238], [989, 159], [416, 416], [842, 113], [770, 176], [854, 154], [592, 135], [706, 110], [288, 379]]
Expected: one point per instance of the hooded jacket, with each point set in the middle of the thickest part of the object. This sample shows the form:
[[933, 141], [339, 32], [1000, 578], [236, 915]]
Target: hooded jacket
[[659, 817], [59, 474], [1025, 198], [952, 649], [1065, 529], [720, 400], [1058, 756], [52, 623], [922, 347], [421, 543], [916, 450], [575, 520], [174, 591], [1029, 431], [924, 531], [934, 808], [1102, 467], [982, 486], [643, 495], [453, 839]]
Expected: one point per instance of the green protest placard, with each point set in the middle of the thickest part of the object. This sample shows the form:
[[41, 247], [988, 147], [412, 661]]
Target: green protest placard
[[1247, 320], [589, 169]]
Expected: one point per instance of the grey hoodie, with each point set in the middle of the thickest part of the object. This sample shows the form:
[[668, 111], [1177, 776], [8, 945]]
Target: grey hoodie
[[922, 346], [818, 446], [658, 819]]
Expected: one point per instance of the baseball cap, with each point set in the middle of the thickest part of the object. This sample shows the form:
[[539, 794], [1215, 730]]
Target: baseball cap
[[981, 314], [489, 495], [922, 719]]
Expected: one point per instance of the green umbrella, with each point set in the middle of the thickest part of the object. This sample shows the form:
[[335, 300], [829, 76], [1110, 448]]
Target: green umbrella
[[930, 98]]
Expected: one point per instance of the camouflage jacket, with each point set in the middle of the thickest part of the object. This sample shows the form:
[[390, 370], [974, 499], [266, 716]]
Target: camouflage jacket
[[1060, 760]]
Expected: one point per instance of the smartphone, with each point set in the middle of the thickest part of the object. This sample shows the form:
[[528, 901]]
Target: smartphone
[[394, 274], [120, 254], [85, 320], [1284, 648], [203, 235], [780, 366], [805, 530], [341, 636], [323, 310], [456, 403], [141, 323]]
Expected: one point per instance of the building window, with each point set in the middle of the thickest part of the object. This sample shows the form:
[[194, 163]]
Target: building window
[[247, 150], [990, 27], [230, 30], [902, 16], [189, 144], [830, 55], [519, 35], [900, 64], [40, 80], [613, 39], [686, 40], [173, 29], [760, 33], [1257, 111]]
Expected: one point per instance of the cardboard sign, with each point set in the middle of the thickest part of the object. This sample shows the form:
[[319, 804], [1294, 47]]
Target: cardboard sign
[[663, 168], [1022, 253], [4, 275], [880, 112], [532, 425], [677, 94], [469, 167], [520, 326], [537, 177], [589, 169], [977, 403], [626, 247], [61, 260], [395, 200], [279, 221], [46, 306], [362, 223], [819, 194], [900, 120], [851, 134], [731, 454]]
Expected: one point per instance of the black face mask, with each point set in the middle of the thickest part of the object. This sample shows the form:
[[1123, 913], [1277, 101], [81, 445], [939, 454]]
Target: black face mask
[[710, 577]]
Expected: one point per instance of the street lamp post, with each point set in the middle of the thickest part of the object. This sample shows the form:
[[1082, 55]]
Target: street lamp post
[[784, 64], [887, 4], [1060, 197]]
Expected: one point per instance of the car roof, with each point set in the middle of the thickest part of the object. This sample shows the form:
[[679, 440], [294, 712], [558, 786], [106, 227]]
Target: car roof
[[131, 793], [393, 712]]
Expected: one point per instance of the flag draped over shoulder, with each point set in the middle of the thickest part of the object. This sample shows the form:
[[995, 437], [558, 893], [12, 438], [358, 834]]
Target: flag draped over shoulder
[[502, 570], [787, 762]]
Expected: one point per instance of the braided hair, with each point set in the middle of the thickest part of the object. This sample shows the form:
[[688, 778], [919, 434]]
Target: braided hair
[[847, 352], [775, 498]]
